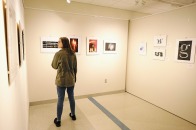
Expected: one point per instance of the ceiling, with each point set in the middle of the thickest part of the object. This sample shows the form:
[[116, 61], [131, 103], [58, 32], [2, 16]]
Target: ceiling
[[143, 6]]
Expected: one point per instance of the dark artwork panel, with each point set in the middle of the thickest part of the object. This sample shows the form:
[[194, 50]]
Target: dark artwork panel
[[184, 50]]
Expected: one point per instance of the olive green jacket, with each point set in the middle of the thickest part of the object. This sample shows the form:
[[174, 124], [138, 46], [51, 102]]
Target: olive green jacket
[[66, 65]]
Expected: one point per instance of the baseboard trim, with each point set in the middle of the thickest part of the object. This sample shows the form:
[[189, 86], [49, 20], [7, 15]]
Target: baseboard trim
[[76, 97]]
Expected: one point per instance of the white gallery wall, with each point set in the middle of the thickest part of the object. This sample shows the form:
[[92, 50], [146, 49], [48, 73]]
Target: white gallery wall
[[58, 19], [168, 84], [14, 104]]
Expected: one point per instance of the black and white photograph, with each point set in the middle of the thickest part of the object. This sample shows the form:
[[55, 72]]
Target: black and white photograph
[[110, 47], [185, 50], [49, 44]]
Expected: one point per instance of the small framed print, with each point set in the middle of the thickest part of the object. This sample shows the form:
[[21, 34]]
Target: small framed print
[[109, 47], [92, 46], [75, 43], [23, 45], [20, 45], [143, 48], [160, 40], [49, 44], [159, 54], [185, 50]]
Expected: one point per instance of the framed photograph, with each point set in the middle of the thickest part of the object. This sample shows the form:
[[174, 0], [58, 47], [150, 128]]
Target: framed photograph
[[75, 43], [11, 41], [20, 45], [185, 50], [92, 46], [159, 54], [49, 44], [142, 48], [23, 45], [160, 40], [109, 47], [5, 15]]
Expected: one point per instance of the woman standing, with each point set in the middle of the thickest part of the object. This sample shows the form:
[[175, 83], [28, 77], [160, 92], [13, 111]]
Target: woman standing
[[66, 64]]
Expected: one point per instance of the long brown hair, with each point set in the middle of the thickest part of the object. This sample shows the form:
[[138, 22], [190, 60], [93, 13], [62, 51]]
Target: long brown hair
[[66, 44]]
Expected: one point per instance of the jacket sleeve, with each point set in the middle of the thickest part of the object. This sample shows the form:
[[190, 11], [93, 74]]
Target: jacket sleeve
[[55, 61], [75, 67]]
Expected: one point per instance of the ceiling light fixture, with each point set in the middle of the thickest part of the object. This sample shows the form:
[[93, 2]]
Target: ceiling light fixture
[[69, 1], [140, 2]]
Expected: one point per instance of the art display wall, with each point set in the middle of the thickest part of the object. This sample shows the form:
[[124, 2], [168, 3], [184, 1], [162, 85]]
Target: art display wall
[[101, 52], [161, 61], [158, 68], [13, 78]]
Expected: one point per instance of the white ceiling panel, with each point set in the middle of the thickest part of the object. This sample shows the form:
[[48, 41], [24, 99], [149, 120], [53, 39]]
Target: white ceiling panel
[[143, 6]]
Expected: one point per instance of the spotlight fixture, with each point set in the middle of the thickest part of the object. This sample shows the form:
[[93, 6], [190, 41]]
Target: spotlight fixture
[[69, 1], [140, 2]]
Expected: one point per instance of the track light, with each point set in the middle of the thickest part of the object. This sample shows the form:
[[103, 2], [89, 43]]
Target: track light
[[140, 2], [69, 1]]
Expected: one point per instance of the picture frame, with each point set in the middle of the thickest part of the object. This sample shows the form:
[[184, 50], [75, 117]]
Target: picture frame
[[6, 30], [49, 44], [142, 48], [92, 46], [11, 41], [20, 45], [159, 54], [75, 43], [185, 50], [160, 41], [109, 47], [23, 45]]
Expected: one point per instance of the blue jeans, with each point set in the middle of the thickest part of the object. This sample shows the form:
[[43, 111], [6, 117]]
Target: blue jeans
[[61, 96]]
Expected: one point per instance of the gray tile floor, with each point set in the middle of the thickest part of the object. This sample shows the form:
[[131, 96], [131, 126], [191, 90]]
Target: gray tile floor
[[135, 113]]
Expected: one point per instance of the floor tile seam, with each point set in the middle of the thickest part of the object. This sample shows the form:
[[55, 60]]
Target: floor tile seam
[[109, 114]]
